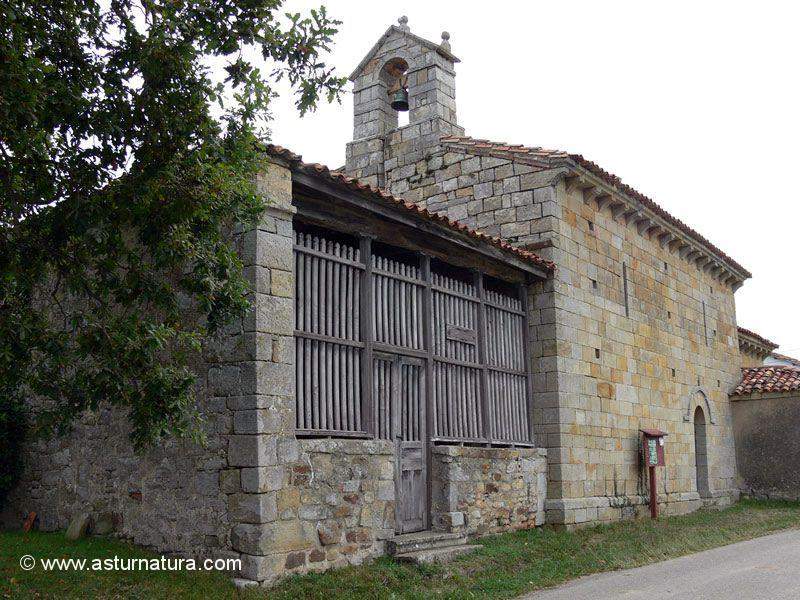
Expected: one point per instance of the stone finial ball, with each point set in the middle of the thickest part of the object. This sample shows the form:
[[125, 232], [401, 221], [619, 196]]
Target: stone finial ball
[[445, 35], [403, 20]]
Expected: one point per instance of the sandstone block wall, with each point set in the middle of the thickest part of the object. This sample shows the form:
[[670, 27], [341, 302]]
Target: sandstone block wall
[[600, 374], [488, 490], [674, 349]]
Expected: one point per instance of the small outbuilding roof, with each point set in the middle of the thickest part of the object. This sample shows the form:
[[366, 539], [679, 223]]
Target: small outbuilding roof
[[768, 379]]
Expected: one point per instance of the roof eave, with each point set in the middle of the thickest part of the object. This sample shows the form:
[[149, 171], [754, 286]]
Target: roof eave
[[670, 232]]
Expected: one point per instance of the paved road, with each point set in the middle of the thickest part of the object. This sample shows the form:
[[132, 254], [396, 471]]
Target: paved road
[[767, 568]]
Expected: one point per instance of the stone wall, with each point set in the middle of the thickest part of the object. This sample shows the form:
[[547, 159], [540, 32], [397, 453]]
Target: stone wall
[[767, 444], [600, 375], [488, 490], [341, 494], [219, 499], [675, 349], [430, 80], [168, 499]]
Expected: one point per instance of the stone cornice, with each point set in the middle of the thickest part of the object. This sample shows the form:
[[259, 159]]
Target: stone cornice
[[631, 211]]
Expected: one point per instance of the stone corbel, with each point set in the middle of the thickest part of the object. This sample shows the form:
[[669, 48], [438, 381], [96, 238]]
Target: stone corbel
[[665, 238], [618, 208], [654, 229], [677, 245], [688, 251], [702, 260], [632, 214], [603, 199], [643, 224], [573, 183], [590, 193]]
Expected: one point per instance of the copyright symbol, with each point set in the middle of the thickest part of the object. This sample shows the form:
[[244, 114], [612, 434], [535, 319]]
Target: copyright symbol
[[27, 562]]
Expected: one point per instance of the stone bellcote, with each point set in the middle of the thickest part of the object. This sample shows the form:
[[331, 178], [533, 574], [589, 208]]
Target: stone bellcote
[[426, 70]]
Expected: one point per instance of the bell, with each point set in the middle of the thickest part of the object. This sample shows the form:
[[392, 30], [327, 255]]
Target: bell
[[400, 100]]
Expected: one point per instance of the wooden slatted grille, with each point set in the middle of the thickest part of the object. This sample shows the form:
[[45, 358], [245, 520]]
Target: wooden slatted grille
[[475, 346], [412, 412], [328, 342], [383, 386], [397, 303]]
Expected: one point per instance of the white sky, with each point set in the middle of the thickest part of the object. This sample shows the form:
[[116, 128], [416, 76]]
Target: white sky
[[694, 104]]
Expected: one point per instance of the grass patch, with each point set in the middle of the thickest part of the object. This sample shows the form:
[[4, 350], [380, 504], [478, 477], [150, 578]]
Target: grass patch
[[16, 583], [506, 566]]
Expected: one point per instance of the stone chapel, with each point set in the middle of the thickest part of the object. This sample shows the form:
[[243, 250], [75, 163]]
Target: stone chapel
[[449, 337]]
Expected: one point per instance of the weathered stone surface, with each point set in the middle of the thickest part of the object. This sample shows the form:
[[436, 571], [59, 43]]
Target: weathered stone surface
[[487, 490], [79, 526], [329, 534], [105, 524]]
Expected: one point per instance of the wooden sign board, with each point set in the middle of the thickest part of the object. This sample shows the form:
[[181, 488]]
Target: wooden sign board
[[461, 334]]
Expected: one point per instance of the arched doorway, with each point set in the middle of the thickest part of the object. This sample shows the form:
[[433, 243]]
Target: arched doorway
[[701, 452]]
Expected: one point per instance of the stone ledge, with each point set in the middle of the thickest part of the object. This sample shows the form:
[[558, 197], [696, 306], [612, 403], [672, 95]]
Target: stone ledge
[[493, 452], [346, 446]]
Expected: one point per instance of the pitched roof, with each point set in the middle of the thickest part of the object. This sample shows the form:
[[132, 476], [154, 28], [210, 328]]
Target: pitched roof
[[754, 337], [768, 379], [555, 158], [378, 195], [392, 29], [783, 357]]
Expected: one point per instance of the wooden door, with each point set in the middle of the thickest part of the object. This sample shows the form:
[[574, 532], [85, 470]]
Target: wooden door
[[399, 385], [411, 471]]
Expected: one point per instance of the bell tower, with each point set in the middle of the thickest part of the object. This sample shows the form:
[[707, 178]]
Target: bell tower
[[401, 72]]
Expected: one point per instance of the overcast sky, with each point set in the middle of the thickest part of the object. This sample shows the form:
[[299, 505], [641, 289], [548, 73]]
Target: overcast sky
[[694, 104]]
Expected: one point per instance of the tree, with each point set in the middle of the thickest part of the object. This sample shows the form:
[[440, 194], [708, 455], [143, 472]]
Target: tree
[[124, 166]]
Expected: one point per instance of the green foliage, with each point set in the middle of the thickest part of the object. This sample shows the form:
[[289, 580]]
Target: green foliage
[[12, 434], [125, 166]]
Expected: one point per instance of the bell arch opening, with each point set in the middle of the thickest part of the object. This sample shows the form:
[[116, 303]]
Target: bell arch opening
[[394, 76], [701, 453]]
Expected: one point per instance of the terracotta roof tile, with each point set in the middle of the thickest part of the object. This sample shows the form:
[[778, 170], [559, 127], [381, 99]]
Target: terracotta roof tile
[[354, 184], [768, 379], [504, 150]]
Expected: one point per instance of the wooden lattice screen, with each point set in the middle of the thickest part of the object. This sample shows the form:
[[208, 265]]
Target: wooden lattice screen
[[356, 307]]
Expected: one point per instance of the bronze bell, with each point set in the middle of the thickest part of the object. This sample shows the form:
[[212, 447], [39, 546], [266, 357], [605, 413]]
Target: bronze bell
[[400, 100]]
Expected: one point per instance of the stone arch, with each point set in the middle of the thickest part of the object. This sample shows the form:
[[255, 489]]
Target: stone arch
[[689, 404], [375, 74]]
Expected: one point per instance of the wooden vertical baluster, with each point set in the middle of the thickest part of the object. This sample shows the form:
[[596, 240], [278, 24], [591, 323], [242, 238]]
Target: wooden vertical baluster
[[367, 336], [484, 393]]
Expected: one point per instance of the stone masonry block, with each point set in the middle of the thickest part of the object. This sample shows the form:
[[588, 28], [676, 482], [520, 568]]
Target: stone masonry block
[[252, 450]]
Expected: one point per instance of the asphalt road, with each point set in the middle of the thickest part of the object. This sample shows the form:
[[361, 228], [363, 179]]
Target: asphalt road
[[767, 568]]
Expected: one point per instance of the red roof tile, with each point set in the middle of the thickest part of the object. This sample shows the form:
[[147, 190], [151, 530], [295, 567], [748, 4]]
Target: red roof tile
[[558, 157], [382, 196], [771, 378]]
